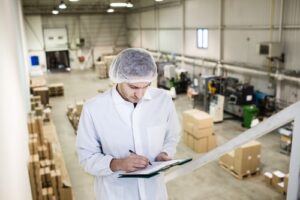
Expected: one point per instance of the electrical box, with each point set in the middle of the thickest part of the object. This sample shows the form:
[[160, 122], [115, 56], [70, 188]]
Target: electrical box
[[270, 49], [169, 71]]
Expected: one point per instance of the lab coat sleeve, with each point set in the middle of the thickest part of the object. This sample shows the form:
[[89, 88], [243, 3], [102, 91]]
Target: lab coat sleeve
[[89, 147], [173, 132]]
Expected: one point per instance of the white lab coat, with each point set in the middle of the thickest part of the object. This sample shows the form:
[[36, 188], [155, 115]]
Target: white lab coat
[[110, 126]]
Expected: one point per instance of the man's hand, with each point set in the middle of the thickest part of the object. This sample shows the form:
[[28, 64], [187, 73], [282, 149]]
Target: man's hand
[[130, 164], [162, 156]]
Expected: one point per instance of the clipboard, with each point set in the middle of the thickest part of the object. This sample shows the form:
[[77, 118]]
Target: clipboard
[[154, 169]]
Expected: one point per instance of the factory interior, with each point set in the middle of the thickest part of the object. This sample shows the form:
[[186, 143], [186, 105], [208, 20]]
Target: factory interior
[[230, 67]]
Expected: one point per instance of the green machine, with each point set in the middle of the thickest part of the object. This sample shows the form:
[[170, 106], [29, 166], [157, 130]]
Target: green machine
[[249, 113]]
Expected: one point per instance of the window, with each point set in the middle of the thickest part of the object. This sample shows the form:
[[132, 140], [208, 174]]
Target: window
[[202, 38]]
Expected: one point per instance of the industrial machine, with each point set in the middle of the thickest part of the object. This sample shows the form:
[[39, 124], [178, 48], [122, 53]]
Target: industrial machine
[[169, 76], [216, 107], [265, 103], [206, 88], [237, 95], [161, 79]]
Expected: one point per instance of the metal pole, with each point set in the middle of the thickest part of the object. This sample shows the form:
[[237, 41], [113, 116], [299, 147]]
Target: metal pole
[[294, 171]]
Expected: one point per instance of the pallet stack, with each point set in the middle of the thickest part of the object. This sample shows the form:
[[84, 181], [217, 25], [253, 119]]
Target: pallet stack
[[108, 59], [243, 161], [74, 112], [278, 180], [46, 170], [56, 89], [38, 109], [43, 92], [198, 131], [36, 82], [101, 69], [35, 101]]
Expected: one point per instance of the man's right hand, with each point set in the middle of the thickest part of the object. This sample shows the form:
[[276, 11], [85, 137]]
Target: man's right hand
[[130, 164]]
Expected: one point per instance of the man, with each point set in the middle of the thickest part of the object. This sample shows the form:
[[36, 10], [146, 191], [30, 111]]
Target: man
[[131, 117]]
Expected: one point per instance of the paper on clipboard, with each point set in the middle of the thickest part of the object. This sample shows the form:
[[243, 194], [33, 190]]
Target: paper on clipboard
[[155, 168]]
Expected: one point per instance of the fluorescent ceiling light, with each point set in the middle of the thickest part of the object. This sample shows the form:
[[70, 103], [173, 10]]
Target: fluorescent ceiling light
[[118, 4], [55, 11], [73, 0], [129, 5], [159, 0], [62, 5], [110, 10]]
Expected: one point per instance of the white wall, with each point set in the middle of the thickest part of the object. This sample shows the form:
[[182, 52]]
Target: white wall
[[14, 153], [244, 25], [97, 30], [35, 40], [56, 39]]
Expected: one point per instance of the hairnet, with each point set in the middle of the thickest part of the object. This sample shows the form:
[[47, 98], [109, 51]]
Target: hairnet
[[133, 65]]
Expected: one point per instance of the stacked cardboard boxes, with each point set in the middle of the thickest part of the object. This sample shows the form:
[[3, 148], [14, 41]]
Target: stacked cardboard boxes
[[48, 176], [36, 82], [243, 161], [278, 180], [56, 89], [38, 109], [74, 112], [101, 69], [43, 92], [35, 101], [198, 131], [108, 59]]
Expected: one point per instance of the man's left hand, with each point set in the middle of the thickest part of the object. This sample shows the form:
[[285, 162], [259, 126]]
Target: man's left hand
[[162, 156]]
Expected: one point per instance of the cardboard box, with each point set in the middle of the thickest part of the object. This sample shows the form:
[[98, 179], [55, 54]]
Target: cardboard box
[[254, 163], [185, 137], [203, 120], [286, 139], [79, 106], [280, 187], [188, 126], [198, 128], [43, 92], [286, 183], [247, 158], [202, 132], [66, 192], [198, 118], [190, 142], [212, 142], [228, 160], [243, 160], [268, 177], [200, 144], [278, 177]]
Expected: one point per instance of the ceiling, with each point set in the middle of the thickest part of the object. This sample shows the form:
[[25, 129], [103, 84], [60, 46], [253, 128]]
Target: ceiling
[[44, 7]]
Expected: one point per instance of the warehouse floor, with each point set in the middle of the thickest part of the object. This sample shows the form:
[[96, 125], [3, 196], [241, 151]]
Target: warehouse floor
[[209, 182]]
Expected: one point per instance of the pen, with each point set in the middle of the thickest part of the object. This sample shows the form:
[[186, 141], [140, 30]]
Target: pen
[[135, 153]]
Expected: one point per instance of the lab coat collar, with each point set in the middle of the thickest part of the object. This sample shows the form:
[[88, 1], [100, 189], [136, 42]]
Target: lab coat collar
[[118, 99], [147, 95]]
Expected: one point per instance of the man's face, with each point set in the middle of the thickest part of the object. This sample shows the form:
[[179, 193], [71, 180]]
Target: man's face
[[133, 92]]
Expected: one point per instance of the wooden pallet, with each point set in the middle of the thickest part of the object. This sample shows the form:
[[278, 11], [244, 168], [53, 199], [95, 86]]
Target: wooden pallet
[[235, 174]]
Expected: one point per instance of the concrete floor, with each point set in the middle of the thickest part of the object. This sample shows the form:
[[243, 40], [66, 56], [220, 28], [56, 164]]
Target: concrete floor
[[209, 182]]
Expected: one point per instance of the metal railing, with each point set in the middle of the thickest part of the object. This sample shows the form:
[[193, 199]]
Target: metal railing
[[287, 115]]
